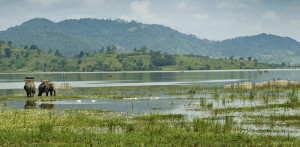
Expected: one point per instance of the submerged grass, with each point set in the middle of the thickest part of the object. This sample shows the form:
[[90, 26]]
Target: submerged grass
[[92, 128], [255, 108], [103, 128]]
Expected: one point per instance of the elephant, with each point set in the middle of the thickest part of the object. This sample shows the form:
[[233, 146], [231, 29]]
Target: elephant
[[47, 87], [29, 88]]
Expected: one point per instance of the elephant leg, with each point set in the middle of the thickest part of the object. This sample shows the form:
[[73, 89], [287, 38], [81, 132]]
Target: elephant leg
[[28, 95], [54, 92], [47, 93], [50, 93], [40, 94]]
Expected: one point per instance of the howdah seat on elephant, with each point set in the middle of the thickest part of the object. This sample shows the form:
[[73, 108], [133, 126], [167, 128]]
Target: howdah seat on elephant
[[47, 87], [29, 86]]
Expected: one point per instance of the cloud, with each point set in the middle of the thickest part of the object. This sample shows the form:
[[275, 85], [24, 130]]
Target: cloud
[[295, 23], [182, 5], [269, 15], [141, 12], [257, 27], [94, 2], [46, 3], [200, 17], [230, 4]]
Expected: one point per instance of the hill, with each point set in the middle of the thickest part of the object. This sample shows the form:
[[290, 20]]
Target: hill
[[264, 47], [72, 36], [34, 59]]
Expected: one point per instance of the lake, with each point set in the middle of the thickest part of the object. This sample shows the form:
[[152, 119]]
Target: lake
[[12, 83], [200, 104]]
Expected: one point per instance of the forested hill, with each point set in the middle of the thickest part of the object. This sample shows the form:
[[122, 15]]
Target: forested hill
[[264, 47], [72, 36], [14, 59]]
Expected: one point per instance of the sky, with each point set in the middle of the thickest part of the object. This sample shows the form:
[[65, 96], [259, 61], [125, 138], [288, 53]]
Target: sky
[[207, 19]]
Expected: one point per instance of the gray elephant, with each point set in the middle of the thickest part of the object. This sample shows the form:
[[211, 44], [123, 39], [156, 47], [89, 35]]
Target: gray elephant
[[47, 87], [29, 88]]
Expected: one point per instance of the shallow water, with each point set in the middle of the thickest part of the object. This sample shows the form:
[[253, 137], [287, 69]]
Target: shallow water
[[198, 105], [12, 83]]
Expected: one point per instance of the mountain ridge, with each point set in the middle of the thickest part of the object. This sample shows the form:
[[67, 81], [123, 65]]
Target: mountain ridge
[[75, 35]]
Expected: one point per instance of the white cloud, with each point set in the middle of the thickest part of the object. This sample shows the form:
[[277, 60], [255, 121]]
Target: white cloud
[[141, 12], [200, 17], [227, 23], [182, 5], [270, 15], [94, 2], [295, 23], [257, 27], [232, 4], [47, 3]]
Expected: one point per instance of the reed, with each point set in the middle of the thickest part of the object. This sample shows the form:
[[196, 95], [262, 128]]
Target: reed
[[92, 128]]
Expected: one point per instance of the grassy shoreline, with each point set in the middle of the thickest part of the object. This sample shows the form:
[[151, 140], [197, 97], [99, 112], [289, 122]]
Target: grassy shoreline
[[94, 127], [225, 126]]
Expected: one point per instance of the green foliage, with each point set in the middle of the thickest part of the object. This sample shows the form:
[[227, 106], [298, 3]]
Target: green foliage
[[18, 59]]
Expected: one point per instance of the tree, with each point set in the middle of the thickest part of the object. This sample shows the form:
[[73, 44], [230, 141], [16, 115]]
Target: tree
[[144, 49], [8, 52], [25, 47], [2, 42], [50, 51], [33, 47], [114, 49], [231, 57], [102, 50], [81, 54], [79, 61], [9, 43], [39, 51], [57, 53], [108, 49], [249, 58], [87, 53]]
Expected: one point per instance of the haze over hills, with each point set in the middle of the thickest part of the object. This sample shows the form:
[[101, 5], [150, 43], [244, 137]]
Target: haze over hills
[[72, 36]]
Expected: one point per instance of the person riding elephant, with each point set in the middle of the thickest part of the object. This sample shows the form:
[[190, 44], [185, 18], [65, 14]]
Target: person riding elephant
[[47, 87], [29, 88]]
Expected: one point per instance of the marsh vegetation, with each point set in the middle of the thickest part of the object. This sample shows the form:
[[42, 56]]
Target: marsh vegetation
[[165, 115]]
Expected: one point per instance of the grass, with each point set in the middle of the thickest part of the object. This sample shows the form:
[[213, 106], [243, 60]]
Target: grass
[[255, 108], [92, 128], [105, 128]]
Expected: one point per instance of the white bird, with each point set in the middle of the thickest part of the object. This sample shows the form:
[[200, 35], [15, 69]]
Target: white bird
[[40, 102], [78, 101], [93, 101], [154, 98]]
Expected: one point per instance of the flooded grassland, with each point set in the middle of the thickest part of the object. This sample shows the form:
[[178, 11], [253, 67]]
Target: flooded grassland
[[166, 115], [153, 114]]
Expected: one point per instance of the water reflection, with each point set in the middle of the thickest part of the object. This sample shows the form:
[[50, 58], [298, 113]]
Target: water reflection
[[32, 105], [46, 105]]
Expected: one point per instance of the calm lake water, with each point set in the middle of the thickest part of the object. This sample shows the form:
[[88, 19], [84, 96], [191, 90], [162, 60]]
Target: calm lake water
[[12, 83]]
